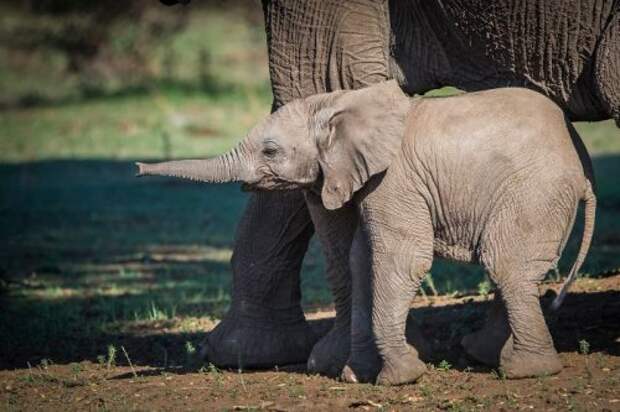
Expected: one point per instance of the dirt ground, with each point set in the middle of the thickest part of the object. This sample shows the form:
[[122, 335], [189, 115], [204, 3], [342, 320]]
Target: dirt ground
[[586, 333]]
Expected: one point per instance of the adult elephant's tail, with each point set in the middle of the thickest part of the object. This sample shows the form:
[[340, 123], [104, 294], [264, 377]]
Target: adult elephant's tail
[[588, 229]]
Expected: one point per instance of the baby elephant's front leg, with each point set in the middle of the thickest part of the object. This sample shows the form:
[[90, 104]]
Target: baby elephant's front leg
[[402, 253], [364, 362]]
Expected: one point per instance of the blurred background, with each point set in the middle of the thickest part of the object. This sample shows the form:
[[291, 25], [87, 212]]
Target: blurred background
[[89, 255]]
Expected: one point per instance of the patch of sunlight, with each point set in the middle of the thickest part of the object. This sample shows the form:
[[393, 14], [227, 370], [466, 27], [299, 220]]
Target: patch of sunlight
[[125, 273], [189, 253], [54, 292], [114, 283], [194, 324], [115, 290], [154, 313], [59, 293], [177, 324]]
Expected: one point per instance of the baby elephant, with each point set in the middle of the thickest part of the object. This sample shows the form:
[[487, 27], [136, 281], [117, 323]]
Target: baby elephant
[[495, 178], [492, 177]]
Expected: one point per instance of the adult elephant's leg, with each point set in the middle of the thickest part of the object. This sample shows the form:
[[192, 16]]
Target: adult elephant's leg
[[364, 362], [607, 69], [486, 344], [314, 46], [265, 325], [335, 229]]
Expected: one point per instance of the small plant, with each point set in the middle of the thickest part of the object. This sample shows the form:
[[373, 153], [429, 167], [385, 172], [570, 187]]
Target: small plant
[[45, 363], [133, 371], [484, 288], [211, 368], [190, 349], [296, 391], [499, 374], [428, 280], [30, 377], [111, 358], [511, 400], [154, 313], [215, 373], [444, 365], [425, 391], [584, 347], [191, 358], [76, 368]]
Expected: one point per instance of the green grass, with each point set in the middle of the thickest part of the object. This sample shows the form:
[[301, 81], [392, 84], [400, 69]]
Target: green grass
[[159, 124], [94, 257]]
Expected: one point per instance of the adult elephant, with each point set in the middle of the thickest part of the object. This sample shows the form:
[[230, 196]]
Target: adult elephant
[[568, 50]]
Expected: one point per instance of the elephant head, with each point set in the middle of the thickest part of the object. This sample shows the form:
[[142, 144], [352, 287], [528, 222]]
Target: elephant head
[[331, 142]]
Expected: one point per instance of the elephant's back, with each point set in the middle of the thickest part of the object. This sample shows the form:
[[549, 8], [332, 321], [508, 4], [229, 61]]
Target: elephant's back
[[489, 135], [477, 154], [506, 117]]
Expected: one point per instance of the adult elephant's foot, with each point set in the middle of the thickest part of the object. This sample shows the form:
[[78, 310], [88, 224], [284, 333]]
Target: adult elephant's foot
[[363, 364], [252, 339], [416, 338], [485, 345], [517, 364], [265, 325], [331, 352], [404, 368]]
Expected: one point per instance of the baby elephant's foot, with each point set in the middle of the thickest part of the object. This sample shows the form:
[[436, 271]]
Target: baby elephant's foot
[[484, 347], [521, 364], [330, 353], [401, 369]]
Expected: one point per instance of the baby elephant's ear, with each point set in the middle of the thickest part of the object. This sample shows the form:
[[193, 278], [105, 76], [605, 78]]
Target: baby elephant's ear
[[355, 142], [336, 154]]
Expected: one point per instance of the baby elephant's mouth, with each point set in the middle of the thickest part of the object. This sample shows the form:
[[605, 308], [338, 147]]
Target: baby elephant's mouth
[[274, 183]]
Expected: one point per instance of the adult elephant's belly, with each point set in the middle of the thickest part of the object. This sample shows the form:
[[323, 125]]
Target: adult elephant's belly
[[566, 50]]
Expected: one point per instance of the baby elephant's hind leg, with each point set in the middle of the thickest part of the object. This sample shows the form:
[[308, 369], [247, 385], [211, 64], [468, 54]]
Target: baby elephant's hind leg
[[530, 351], [521, 244]]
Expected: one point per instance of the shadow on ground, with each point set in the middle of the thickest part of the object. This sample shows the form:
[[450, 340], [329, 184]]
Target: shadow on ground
[[585, 316], [94, 257]]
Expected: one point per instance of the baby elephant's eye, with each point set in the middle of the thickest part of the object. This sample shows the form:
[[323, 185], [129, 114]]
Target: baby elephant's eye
[[270, 151]]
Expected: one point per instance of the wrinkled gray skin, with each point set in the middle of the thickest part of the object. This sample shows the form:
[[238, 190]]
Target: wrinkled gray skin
[[569, 50], [492, 177]]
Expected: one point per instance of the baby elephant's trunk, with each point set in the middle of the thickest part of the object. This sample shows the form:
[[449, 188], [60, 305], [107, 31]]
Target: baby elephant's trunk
[[228, 167], [588, 228]]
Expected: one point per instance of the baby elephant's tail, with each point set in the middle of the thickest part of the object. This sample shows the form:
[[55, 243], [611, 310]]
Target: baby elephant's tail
[[588, 228]]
